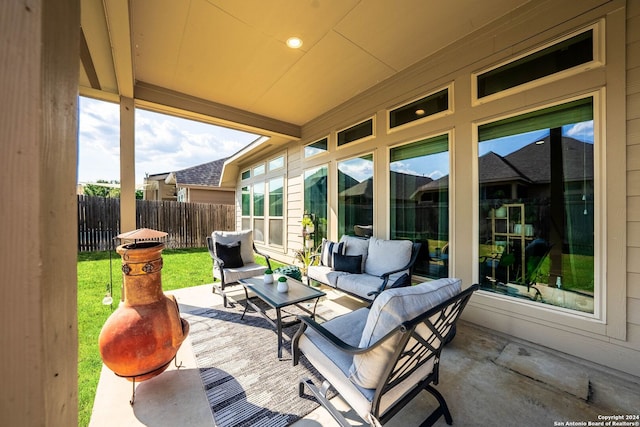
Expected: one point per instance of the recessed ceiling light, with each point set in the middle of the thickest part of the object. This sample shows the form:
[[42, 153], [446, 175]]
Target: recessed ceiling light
[[420, 112], [294, 42]]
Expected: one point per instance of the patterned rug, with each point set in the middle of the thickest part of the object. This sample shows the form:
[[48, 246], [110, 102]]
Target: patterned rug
[[245, 382]]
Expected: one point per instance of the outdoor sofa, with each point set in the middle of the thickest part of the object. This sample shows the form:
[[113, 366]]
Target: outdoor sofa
[[364, 267]]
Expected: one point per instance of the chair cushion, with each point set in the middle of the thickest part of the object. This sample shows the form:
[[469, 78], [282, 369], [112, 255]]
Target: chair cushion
[[230, 254], [359, 284], [234, 274], [324, 274], [347, 263], [387, 255], [327, 250], [356, 246], [388, 311], [245, 238]]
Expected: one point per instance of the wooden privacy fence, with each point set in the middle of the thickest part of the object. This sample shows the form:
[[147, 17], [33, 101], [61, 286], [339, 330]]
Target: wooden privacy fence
[[188, 224]]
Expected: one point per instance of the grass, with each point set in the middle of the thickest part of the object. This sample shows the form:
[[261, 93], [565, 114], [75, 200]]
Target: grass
[[182, 268]]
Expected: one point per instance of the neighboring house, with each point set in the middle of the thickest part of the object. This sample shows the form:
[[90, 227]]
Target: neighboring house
[[197, 184], [156, 188]]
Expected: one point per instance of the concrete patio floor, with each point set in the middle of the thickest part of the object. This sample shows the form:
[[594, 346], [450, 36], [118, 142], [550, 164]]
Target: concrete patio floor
[[486, 378]]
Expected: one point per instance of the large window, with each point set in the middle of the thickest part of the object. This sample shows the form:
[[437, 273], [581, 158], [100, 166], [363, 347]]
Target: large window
[[419, 205], [315, 201], [536, 187], [355, 196]]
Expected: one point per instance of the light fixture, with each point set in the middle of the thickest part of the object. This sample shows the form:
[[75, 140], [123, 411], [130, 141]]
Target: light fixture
[[294, 42], [420, 112], [540, 142]]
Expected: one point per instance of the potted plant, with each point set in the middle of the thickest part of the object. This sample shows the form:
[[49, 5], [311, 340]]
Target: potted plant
[[268, 276], [307, 226], [282, 284]]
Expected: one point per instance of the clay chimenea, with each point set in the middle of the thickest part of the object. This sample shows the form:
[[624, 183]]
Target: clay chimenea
[[141, 338]]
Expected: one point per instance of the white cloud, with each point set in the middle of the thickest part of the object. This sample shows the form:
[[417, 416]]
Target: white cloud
[[163, 143], [582, 131]]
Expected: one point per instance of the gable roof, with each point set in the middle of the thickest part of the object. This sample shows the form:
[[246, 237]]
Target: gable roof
[[206, 174]]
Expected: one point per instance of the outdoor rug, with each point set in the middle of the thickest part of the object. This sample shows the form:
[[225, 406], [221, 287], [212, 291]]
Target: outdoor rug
[[245, 382]]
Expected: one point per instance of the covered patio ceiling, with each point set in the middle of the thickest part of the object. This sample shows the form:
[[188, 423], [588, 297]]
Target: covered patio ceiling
[[226, 62]]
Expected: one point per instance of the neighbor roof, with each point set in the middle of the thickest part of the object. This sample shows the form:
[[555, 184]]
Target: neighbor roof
[[206, 174]]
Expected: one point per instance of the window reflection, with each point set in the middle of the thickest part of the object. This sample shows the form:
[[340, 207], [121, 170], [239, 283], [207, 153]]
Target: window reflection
[[537, 206], [315, 201], [419, 188], [355, 194]]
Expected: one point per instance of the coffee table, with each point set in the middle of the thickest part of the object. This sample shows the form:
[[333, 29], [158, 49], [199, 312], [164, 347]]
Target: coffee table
[[297, 294]]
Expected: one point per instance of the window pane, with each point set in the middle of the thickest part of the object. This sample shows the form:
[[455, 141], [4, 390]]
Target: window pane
[[419, 205], [258, 230], [537, 214], [561, 56], [246, 223], [246, 201], [355, 194], [275, 232], [316, 148], [258, 199], [246, 175], [359, 131], [419, 109], [276, 163], [315, 200], [258, 170], [276, 197]]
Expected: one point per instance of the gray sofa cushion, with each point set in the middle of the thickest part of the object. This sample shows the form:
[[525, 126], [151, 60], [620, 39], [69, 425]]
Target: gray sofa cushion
[[359, 284], [387, 255], [324, 274], [356, 246], [389, 310]]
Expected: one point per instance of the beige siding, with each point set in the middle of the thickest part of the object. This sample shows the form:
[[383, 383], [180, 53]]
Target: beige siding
[[219, 197], [633, 168]]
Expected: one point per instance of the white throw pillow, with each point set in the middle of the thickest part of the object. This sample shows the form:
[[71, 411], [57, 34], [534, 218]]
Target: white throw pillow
[[245, 238]]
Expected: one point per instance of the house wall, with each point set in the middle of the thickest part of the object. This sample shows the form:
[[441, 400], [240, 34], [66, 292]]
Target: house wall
[[633, 173], [612, 336], [218, 197]]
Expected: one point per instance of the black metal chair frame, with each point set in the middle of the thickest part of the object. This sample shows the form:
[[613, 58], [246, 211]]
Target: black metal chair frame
[[413, 351], [220, 264]]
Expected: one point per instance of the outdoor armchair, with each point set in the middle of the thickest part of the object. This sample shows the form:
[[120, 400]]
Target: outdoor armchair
[[233, 255], [379, 358]]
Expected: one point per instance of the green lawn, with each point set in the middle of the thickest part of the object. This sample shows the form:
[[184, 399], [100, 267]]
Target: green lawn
[[182, 268]]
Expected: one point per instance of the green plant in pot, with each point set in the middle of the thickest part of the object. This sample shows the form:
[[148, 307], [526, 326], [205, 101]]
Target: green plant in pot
[[282, 284], [268, 276]]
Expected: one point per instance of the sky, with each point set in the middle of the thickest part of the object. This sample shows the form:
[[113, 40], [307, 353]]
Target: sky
[[163, 143]]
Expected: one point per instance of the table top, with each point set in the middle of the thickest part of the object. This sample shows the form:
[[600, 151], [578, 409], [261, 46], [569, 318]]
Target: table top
[[298, 292]]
